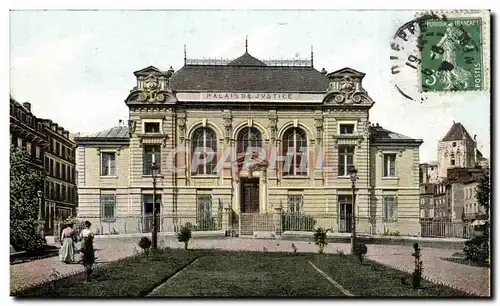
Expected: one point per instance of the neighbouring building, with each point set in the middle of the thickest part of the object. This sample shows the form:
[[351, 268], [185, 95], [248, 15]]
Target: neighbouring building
[[429, 173], [472, 210], [185, 121], [26, 131], [53, 155], [457, 149], [60, 188], [444, 183]]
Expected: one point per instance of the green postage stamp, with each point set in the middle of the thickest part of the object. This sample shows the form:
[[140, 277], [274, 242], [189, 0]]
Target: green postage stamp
[[454, 51]]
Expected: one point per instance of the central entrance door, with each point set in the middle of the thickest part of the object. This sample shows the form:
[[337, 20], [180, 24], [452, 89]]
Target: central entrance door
[[249, 195]]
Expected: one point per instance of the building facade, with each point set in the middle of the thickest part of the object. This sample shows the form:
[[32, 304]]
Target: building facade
[[247, 139], [60, 183]]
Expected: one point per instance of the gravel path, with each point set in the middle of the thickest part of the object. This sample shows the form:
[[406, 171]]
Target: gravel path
[[469, 278]]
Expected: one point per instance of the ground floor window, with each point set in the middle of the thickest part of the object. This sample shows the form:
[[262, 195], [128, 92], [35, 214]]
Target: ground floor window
[[108, 207], [390, 209], [147, 203], [295, 203]]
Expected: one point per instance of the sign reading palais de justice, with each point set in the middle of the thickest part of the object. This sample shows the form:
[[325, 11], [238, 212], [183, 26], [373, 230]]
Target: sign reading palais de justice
[[255, 97]]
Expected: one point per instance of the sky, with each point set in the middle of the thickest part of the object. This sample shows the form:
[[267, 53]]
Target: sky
[[76, 67]]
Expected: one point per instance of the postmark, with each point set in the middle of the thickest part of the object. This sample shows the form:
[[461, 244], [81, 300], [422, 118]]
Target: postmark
[[441, 52]]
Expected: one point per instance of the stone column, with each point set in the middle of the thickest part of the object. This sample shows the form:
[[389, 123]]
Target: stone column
[[277, 220]]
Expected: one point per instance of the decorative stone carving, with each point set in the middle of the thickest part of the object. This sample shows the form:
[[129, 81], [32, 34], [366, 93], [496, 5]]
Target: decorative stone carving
[[131, 127], [345, 87], [151, 90], [228, 124], [273, 124], [318, 123], [360, 141], [367, 129], [335, 143]]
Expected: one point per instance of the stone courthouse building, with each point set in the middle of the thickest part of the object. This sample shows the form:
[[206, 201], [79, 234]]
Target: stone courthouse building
[[305, 130]]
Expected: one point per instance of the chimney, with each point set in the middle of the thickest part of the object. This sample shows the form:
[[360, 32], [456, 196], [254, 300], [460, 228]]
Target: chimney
[[377, 125], [323, 71], [27, 105], [475, 151], [120, 122]]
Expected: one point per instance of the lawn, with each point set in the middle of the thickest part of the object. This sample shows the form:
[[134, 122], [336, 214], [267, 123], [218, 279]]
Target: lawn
[[133, 276], [239, 274], [373, 279], [247, 274]]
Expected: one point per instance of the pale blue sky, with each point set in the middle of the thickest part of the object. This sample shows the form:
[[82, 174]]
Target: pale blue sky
[[76, 67]]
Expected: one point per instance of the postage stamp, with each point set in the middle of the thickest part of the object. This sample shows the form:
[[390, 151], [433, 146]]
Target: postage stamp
[[452, 54]]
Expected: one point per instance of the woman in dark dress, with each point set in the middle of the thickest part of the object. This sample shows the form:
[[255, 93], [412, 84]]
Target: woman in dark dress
[[87, 249]]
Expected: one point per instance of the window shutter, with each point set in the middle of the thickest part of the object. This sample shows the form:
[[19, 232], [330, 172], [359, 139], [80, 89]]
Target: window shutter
[[393, 165], [396, 208], [112, 164]]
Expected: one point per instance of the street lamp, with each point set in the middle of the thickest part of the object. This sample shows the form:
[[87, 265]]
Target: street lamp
[[154, 175], [39, 193], [352, 174]]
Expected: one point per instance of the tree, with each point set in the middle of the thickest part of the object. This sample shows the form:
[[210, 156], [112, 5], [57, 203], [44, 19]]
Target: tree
[[483, 193], [478, 248], [25, 182]]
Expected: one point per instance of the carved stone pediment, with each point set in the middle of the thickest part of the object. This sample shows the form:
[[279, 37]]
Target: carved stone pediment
[[153, 86], [346, 88]]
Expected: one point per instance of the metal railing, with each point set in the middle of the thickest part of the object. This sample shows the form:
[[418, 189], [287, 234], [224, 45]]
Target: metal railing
[[144, 223], [251, 222], [296, 62], [446, 229], [297, 221]]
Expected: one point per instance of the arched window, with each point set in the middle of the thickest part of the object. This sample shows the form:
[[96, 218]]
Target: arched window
[[204, 149], [295, 149], [248, 137]]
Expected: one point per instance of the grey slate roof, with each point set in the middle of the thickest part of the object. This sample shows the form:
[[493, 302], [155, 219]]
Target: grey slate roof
[[246, 60], [115, 132], [378, 133], [457, 132], [247, 73]]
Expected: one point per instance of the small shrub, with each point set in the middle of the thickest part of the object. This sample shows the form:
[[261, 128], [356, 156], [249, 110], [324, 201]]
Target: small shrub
[[184, 235], [320, 239], [417, 273], [477, 249], [340, 253], [36, 246], [145, 244], [294, 248], [361, 251], [113, 231]]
